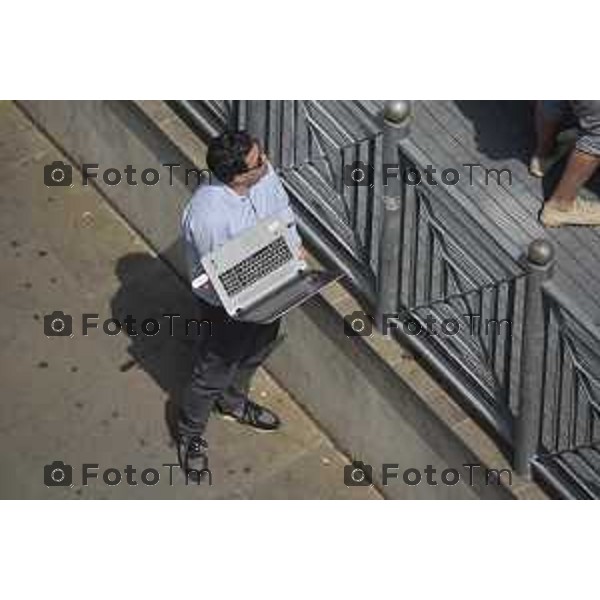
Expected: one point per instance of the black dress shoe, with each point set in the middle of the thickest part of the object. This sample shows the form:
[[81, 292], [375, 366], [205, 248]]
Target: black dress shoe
[[253, 414], [192, 455]]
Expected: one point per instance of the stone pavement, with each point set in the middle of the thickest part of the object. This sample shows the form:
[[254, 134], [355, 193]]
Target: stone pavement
[[108, 399]]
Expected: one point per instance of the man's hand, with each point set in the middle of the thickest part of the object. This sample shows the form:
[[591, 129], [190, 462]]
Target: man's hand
[[302, 254], [200, 281]]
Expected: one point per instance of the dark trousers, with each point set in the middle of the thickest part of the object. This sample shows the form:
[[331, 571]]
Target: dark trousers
[[223, 367]]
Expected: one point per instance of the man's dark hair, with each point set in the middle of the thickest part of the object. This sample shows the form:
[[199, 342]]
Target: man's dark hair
[[227, 153]]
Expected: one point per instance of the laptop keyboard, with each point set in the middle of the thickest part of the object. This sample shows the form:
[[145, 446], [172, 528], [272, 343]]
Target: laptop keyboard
[[256, 266]]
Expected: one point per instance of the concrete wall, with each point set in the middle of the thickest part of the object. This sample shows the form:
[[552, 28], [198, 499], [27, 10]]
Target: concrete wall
[[369, 411], [358, 399], [115, 134]]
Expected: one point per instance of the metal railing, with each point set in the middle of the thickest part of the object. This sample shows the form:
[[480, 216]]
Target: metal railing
[[570, 412], [559, 420], [312, 144], [413, 251]]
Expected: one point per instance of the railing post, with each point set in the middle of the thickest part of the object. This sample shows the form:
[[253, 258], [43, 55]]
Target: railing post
[[240, 110], [540, 263], [396, 122], [255, 114]]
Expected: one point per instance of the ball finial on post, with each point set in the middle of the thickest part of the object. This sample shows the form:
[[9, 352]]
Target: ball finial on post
[[396, 111], [540, 252]]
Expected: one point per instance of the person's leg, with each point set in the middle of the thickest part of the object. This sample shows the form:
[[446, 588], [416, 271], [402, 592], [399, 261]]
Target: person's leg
[[211, 376], [263, 344], [235, 402], [564, 207], [214, 366], [579, 169], [549, 118]]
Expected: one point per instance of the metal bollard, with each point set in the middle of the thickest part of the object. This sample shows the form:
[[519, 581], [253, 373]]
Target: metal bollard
[[396, 126], [540, 263]]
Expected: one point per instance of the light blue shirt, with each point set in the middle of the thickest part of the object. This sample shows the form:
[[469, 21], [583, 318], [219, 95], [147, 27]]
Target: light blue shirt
[[216, 214]]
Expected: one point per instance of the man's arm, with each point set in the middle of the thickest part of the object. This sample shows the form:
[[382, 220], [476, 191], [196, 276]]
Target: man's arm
[[203, 242]]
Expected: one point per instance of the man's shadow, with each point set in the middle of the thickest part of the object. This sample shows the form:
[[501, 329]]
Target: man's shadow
[[150, 288], [504, 129]]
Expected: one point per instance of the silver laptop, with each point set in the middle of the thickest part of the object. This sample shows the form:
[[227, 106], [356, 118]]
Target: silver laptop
[[257, 276]]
